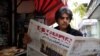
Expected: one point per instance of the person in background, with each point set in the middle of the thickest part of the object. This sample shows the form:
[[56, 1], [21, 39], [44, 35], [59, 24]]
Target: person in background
[[63, 17]]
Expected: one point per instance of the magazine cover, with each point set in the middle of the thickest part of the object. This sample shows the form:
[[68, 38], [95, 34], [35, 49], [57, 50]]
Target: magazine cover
[[49, 41]]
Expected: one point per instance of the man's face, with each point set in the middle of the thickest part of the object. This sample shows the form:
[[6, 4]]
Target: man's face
[[63, 21]]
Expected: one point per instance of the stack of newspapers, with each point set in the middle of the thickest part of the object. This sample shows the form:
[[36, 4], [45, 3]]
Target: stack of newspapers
[[47, 41]]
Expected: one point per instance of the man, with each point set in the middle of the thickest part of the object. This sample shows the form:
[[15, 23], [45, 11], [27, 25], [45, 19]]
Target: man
[[63, 17]]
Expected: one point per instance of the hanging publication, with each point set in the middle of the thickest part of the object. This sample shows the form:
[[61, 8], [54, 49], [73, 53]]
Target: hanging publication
[[47, 41]]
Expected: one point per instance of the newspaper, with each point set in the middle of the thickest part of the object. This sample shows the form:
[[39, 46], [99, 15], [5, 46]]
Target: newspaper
[[52, 42]]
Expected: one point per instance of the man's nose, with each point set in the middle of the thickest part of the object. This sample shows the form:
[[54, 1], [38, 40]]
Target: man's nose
[[65, 19]]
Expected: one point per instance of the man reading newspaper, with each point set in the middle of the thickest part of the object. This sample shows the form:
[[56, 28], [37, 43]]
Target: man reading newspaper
[[63, 17]]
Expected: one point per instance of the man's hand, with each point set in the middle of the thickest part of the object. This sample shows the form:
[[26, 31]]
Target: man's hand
[[26, 39]]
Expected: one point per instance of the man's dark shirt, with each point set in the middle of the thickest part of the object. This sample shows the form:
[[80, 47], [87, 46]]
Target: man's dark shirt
[[72, 31]]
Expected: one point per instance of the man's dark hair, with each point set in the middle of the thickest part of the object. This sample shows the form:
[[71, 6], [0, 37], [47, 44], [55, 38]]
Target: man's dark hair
[[61, 11]]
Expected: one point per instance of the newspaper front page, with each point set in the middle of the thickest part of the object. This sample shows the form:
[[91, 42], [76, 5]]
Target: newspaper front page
[[47, 41]]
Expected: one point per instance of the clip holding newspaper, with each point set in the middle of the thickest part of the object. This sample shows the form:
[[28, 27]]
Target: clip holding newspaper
[[47, 41]]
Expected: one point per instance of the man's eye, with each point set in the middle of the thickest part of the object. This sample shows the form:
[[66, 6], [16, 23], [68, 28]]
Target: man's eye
[[62, 17]]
